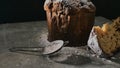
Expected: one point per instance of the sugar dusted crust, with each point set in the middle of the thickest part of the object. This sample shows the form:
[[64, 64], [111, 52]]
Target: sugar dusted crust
[[70, 20], [74, 5]]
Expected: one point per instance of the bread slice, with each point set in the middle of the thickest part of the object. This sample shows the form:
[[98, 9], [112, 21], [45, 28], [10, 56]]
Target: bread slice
[[105, 40]]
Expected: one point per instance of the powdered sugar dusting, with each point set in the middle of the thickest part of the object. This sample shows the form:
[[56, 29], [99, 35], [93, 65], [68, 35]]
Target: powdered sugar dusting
[[93, 43], [79, 3], [84, 1], [47, 1]]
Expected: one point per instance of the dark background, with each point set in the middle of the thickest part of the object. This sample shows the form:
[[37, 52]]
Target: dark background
[[32, 10]]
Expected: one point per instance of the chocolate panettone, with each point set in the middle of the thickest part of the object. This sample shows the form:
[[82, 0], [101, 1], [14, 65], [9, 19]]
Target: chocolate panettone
[[70, 20], [106, 40]]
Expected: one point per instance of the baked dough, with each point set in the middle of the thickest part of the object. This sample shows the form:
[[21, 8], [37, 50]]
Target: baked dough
[[105, 40], [70, 20]]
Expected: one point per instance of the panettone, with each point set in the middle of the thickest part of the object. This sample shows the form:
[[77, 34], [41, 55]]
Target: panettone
[[105, 40], [70, 20]]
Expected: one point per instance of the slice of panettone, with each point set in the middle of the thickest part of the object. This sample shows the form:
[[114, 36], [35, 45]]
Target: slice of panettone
[[105, 40]]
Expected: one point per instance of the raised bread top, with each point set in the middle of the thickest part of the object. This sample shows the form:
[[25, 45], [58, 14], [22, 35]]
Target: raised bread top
[[71, 5]]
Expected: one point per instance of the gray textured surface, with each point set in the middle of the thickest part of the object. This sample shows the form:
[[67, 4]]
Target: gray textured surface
[[35, 34], [101, 20]]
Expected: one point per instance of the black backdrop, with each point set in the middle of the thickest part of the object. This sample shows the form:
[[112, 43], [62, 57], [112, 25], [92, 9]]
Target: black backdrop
[[32, 10]]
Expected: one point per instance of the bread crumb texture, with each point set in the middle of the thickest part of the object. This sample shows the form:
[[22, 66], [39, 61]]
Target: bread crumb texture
[[109, 36]]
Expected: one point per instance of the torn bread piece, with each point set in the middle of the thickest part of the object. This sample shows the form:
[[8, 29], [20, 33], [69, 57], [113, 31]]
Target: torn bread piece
[[105, 40]]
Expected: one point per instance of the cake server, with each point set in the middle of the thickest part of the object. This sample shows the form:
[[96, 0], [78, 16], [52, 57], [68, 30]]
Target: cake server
[[51, 48]]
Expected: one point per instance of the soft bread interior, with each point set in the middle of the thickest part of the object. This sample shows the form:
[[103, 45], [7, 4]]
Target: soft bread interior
[[109, 36]]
